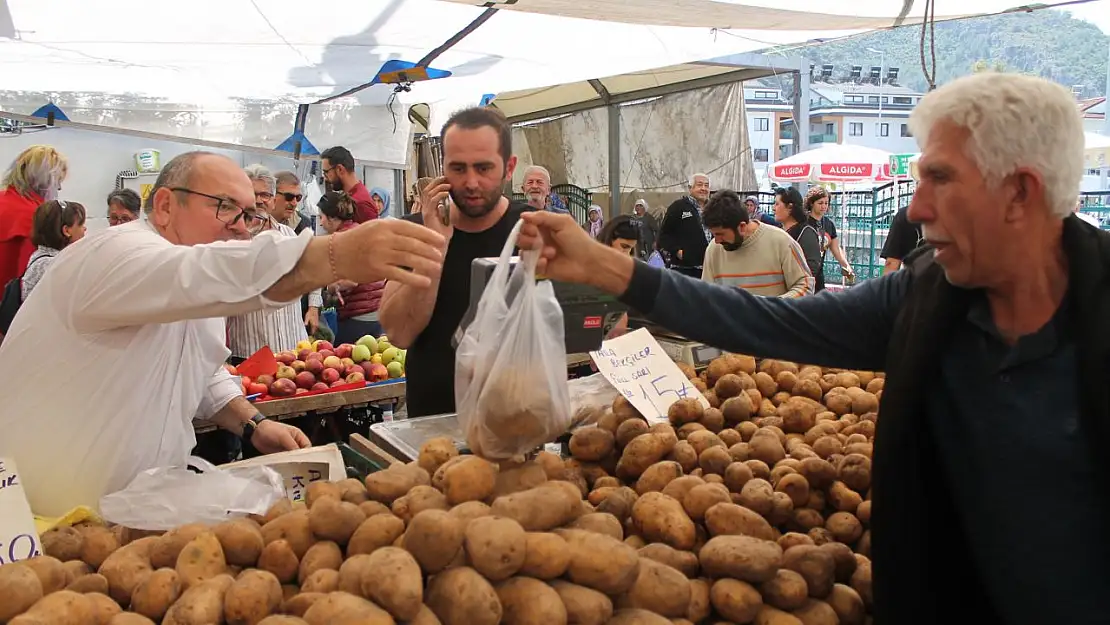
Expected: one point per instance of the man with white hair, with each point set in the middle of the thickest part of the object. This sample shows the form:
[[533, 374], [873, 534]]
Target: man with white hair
[[996, 356], [682, 235], [537, 190]]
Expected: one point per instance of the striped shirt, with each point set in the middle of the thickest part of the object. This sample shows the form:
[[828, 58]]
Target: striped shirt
[[280, 329], [769, 262]]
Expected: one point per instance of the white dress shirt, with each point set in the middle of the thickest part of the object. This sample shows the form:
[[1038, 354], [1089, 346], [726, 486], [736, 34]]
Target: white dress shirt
[[115, 352], [281, 329]]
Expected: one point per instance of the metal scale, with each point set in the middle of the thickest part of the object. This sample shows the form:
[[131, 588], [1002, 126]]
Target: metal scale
[[680, 349]]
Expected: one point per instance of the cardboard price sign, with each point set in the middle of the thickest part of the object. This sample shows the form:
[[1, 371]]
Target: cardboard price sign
[[302, 467], [18, 538], [637, 366]]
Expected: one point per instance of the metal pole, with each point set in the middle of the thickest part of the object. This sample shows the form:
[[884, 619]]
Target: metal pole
[[1104, 174], [614, 160]]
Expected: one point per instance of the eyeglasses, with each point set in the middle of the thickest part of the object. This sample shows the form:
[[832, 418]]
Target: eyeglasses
[[263, 195], [291, 197], [118, 220], [227, 210]]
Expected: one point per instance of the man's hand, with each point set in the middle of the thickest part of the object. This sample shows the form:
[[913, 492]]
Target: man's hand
[[387, 250], [273, 436], [435, 205], [312, 319], [679, 254], [569, 254]]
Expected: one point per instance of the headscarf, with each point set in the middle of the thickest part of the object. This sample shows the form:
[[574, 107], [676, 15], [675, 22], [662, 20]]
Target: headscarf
[[594, 227], [640, 203], [384, 195]]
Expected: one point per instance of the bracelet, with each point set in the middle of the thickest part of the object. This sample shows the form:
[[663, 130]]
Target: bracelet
[[331, 257]]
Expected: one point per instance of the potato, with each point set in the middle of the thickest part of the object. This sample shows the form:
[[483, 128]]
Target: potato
[[322, 555], [773, 616], [75, 569], [130, 618], [592, 444], [169, 545], [527, 601], [321, 581], [278, 558], [253, 597], [201, 559], [816, 612], [600, 562], [241, 539], [469, 479], [735, 600], [790, 539], [436, 451], [496, 546], [796, 487], [63, 543], [433, 537], [584, 606], [660, 518], [657, 476], [294, 528], [844, 526], [861, 582], [682, 561], [715, 460], [417, 500], [644, 451], [684, 411], [815, 565], [782, 509], [787, 590], [727, 518], [461, 596], [545, 507], [629, 430], [843, 498], [847, 605], [50, 571], [758, 495], [736, 475], [619, 503], [394, 482], [66, 607], [658, 588], [351, 573], [320, 490], [702, 497], [200, 604], [395, 582], [89, 584], [97, 544], [340, 607], [637, 617], [282, 619], [468, 511], [740, 557], [855, 472], [335, 520], [124, 570], [352, 490], [375, 532], [20, 587], [300, 603], [680, 487], [766, 447]]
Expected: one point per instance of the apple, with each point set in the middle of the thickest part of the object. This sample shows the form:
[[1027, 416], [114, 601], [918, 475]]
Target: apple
[[304, 344], [369, 342], [338, 383], [347, 364], [324, 345], [283, 387], [344, 350], [376, 358], [305, 379], [314, 356], [314, 366], [298, 365], [286, 358], [365, 365], [301, 391], [265, 379], [356, 376], [256, 388], [378, 372], [287, 372], [231, 369], [324, 353], [361, 353], [404, 354], [303, 354], [329, 375], [390, 354], [333, 362], [383, 343], [320, 386], [395, 369]]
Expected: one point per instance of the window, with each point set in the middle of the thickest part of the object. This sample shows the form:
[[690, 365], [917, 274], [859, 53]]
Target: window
[[883, 130], [855, 129], [765, 95], [853, 99], [760, 155], [830, 129], [903, 100], [906, 130], [873, 99], [762, 124]]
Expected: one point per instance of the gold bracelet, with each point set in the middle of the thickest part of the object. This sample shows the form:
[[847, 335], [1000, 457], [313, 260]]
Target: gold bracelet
[[331, 257]]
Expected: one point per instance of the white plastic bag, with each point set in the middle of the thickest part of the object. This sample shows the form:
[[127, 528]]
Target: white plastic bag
[[589, 397], [166, 497], [510, 366]]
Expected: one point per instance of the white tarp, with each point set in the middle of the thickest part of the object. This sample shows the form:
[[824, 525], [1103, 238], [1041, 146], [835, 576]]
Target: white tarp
[[233, 71]]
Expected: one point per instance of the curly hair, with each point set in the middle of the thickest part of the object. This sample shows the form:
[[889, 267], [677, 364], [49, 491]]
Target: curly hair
[[814, 194], [337, 205]]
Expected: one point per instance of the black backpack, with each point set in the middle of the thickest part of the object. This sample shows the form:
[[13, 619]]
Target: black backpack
[[13, 298]]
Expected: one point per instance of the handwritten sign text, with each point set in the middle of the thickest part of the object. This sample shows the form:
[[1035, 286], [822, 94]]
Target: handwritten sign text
[[638, 367], [18, 538]]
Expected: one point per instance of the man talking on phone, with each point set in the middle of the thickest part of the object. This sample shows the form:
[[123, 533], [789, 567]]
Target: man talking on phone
[[467, 205]]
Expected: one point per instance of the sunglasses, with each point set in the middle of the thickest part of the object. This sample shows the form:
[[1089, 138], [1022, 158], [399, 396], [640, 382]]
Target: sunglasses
[[291, 197]]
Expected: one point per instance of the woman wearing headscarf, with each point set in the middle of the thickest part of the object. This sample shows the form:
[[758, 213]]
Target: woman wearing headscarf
[[594, 222], [358, 303], [33, 178], [380, 197]]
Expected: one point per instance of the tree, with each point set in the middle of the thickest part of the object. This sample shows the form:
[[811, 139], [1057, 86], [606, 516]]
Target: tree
[[980, 66]]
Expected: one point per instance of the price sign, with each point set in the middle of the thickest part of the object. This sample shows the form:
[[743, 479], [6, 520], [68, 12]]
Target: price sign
[[302, 467], [18, 538], [298, 475], [639, 368]]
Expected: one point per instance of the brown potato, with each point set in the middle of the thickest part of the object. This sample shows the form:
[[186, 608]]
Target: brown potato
[[434, 452], [495, 546], [600, 522], [280, 507], [395, 584], [757, 495], [657, 476], [94, 582], [847, 604], [644, 451], [844, 526], [252, 597], [843, 498], [75, 569], [702, 497], [736, 475], [545, 507], [351, 573], [855, 472], [683, 561], [102, 608], [766, 448], [461, 596], [660, 518], [334, 520], [681, 486], [469, 479], [321, 581], [619, 503], [787, 590], [417, 500], [50, 571], [861, 582], [294, 528], [600, 562], [241, 540], [320, 490], [815, 612], [740, 557], [130, 618], [282, 619], [375, 532], [165, 551], [728, 519], [20, 587], [546, 556], [323, 555], [278, 558], [715, 460], [773, 616], [584, 606], [468, 511], [790, 539], [527, 601], [637, 617], [658, 588], [735, 600], [125, 569], [815, 565], [342, 607], [201, 604], [434, 537], [394, 482], [352, 490], [97, 544], [63, 543]]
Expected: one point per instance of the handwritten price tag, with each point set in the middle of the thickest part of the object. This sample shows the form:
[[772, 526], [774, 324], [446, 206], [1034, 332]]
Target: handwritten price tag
[[639, 368], [18, 538]]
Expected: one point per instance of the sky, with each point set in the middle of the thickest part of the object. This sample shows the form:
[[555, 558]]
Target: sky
[[1098, 13]]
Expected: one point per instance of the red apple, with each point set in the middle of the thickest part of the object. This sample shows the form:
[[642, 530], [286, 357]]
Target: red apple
[[344, 350], [265, 379], [329, 375], [325, 353], [301, 391], [313, 356], [320, 386], [286, 358], [338, 383], [298, 365], [255, 388], [314, 366], [230, 369], [366, 365], [305, 379], [304, 354], [378, 372], [283, 387], [322, 345], [285, 371], [355, 377], [334, 362]]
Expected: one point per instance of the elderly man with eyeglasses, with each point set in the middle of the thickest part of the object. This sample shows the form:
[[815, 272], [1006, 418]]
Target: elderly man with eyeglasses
[[122, 344]]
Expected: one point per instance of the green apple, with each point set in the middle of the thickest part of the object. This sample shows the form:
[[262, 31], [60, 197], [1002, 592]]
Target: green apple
[[370, 342], [383, 344], [389, 354], [395, 369], [361, 353], [401, 359]]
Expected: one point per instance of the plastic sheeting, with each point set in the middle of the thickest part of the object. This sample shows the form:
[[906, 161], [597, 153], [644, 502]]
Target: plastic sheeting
[[662, 144]]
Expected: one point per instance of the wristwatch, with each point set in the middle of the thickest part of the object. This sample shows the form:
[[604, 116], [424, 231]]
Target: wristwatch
[[250, 426]]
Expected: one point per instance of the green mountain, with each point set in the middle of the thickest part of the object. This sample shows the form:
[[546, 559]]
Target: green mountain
[[1046, 43]]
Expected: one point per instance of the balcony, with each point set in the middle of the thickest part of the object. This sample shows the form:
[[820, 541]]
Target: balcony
[[786, 133], [822, 138]]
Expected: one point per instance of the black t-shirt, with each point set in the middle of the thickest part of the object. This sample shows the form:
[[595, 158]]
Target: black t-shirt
[[903, 237], [430, 362]]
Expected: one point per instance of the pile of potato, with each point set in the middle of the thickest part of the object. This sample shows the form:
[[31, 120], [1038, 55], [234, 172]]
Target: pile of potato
[[752, 511]]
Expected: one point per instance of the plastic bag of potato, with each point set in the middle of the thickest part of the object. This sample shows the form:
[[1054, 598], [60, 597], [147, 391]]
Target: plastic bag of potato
[[510, 374]]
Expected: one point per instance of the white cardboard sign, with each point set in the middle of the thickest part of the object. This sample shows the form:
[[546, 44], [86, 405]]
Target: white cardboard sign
[[300, 468], [19, 540], [639, 368]]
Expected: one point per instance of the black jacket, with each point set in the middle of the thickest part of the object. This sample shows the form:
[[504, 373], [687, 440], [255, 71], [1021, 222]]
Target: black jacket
[[682, 230], [922, 564]]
